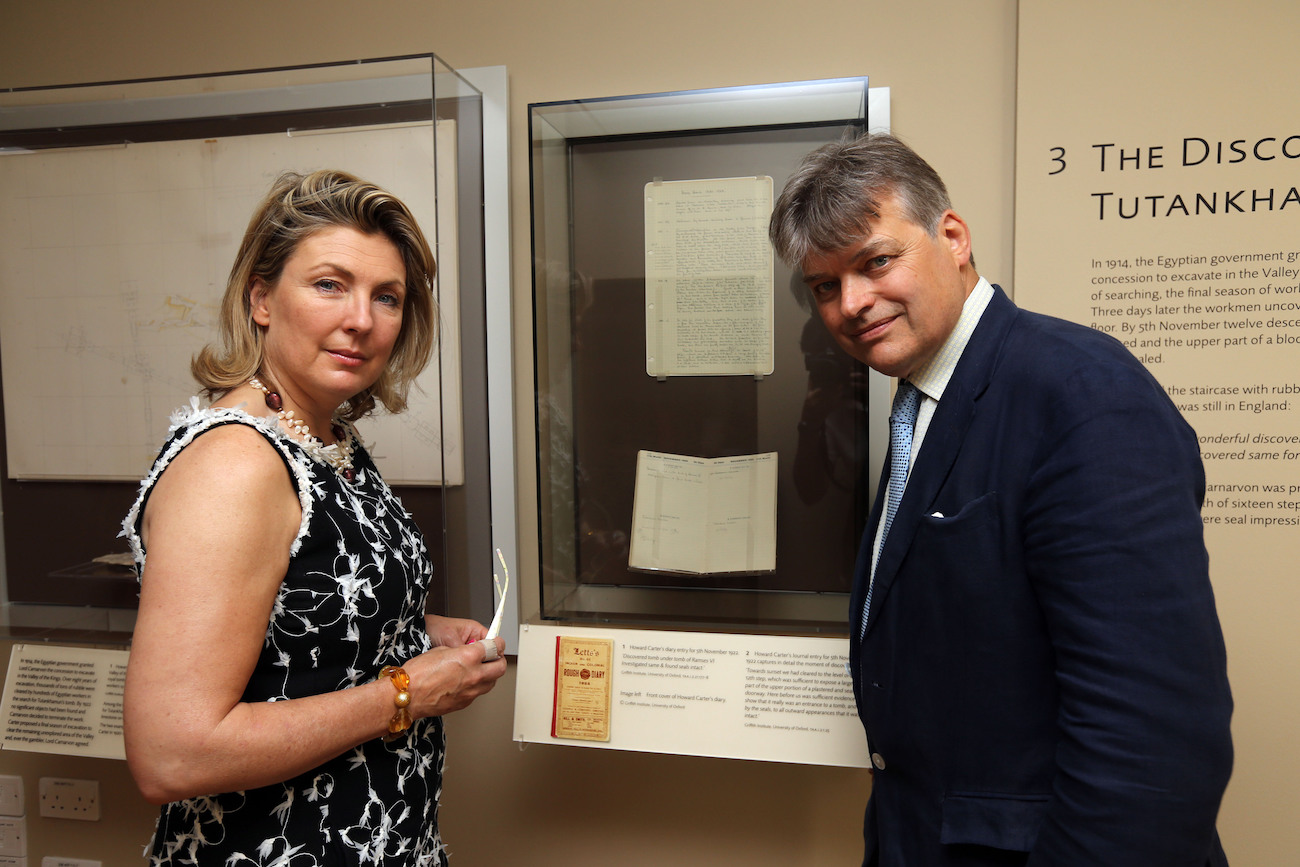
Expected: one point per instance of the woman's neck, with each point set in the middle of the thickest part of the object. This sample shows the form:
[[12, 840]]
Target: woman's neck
[[298, 420]]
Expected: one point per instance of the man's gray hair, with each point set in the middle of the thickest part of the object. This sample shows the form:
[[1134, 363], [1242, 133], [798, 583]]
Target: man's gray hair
[[831, 199]]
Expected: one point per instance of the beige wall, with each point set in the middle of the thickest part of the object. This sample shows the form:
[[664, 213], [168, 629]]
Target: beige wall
[[951, 67], [125, 820], [1252, 566]]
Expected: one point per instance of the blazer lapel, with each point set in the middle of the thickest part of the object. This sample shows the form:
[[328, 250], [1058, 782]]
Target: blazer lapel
[[939, 449]]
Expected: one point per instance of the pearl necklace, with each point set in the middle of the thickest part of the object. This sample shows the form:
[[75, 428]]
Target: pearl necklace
[[337, 454]]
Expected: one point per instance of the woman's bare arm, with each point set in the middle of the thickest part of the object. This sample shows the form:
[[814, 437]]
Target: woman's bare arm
[[218, 528]]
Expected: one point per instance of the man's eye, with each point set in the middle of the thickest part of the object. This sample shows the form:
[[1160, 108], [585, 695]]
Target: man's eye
[[878, 261]]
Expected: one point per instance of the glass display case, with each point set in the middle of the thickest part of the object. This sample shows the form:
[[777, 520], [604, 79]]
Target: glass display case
[[124, 202], [701, 440]]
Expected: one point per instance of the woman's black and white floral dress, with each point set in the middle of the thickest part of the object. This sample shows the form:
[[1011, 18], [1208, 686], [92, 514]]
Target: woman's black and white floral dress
[[351, 602]]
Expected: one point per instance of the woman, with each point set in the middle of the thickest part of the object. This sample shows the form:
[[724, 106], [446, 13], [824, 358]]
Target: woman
[[283, 579]]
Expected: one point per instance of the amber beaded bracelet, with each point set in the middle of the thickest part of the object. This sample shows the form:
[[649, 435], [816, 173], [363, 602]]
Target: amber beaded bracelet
[[401, 720]]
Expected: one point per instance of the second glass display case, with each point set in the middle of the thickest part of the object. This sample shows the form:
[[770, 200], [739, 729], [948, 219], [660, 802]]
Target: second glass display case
[[701, 440]]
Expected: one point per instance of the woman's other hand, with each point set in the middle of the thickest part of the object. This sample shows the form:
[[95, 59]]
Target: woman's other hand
[[453, 631]]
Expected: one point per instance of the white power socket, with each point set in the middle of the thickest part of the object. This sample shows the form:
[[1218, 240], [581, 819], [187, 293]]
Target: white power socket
[[12, 861], [51, 861], [11, 796], [13, 837], [70, 799]]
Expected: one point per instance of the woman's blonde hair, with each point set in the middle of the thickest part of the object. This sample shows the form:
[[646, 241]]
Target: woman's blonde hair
[[296, 207]]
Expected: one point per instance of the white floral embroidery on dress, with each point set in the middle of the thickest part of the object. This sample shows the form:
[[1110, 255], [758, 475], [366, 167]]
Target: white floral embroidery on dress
[[351, 602]]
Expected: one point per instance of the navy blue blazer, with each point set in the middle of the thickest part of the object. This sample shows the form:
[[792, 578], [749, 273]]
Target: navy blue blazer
[[1043, 677]]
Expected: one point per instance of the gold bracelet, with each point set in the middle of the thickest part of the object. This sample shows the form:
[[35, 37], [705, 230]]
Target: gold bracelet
[[401, 720]]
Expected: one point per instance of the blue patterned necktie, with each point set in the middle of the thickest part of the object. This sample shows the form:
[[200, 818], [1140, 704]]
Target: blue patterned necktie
[[902, 424]]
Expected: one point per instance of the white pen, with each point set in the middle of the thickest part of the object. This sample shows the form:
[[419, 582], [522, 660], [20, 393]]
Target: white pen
[[501, 590]]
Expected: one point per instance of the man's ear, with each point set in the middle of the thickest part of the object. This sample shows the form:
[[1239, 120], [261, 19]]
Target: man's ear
[[258, 291], [956, 234]]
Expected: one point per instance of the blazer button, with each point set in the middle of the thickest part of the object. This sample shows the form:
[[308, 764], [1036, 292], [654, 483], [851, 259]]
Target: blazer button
[[878, 761]]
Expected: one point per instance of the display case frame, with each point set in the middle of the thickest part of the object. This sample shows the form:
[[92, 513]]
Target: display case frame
[[54, 528], [597, 407]]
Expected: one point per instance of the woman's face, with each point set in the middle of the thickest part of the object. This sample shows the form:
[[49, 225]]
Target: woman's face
[[332, 318]]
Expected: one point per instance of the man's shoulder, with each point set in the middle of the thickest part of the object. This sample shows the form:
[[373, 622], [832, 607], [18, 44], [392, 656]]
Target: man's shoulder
[[1004, 321], [1047, 355], [1054, 343]]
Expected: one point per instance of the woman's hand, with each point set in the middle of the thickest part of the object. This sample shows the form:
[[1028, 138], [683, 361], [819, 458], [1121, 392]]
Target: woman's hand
[[451, 675], [453, 631]]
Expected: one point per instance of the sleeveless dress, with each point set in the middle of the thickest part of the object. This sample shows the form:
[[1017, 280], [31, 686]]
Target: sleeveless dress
[[351, 602]]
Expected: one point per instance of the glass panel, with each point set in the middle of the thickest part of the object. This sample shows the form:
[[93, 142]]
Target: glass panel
[[463, 432], [591, 162], [178, 164]]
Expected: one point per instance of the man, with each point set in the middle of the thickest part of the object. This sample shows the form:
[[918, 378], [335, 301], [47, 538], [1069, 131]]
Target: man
[[1034, 645]]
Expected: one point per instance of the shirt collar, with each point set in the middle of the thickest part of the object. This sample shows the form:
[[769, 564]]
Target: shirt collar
[[932, 377]]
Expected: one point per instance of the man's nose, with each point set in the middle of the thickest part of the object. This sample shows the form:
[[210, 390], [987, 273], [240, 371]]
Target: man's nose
[[856, 295]]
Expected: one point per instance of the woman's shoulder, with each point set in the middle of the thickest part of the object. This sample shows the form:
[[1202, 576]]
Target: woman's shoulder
[[229, 449], [222, 432], [225, 441], [224, 452], [194, 418]]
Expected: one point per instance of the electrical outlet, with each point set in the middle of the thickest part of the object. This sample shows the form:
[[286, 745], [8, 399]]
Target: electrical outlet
[[70, 799], [52, 861], [12, 861], [11, 796], [13, 837]]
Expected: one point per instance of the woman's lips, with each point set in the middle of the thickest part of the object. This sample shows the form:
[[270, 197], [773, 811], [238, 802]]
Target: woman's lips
[[347, 357]]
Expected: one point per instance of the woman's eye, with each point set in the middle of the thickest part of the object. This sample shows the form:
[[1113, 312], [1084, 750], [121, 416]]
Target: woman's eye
[[328, 285], [390, 299]]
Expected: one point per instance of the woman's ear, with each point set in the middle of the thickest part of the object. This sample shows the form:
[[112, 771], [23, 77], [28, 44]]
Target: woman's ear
[[258, 291]]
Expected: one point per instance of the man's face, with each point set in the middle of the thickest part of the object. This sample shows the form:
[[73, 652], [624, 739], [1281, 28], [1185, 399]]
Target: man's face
[[892, 298]]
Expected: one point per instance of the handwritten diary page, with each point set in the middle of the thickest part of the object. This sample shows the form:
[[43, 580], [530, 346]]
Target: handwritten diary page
[[704, 515], [708, 270]]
